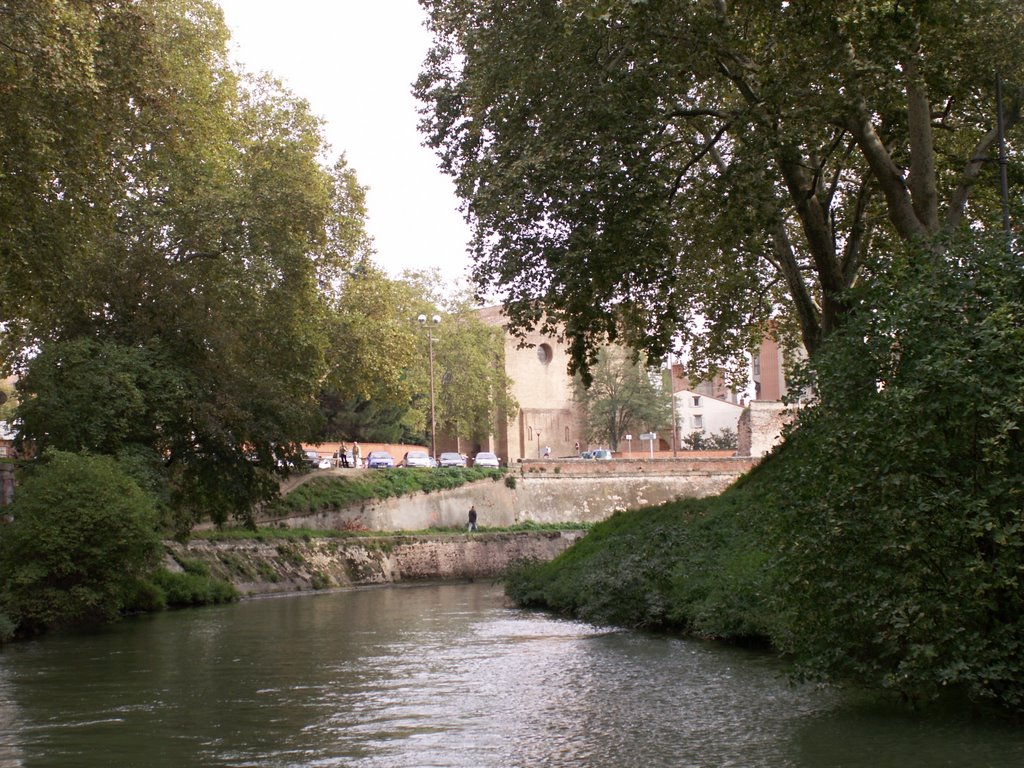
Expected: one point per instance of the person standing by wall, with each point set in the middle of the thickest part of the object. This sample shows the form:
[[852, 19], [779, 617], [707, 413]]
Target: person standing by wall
[[472, 517], [356, 455]]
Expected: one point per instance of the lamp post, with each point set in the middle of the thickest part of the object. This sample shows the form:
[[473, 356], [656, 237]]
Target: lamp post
[[434, 321], [538, 443]]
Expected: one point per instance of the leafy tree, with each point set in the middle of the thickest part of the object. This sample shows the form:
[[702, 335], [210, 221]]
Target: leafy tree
[[379, 385], [174, 216], [897, 508], [8, 401], [621, 398], [470, 365], [82, 536], [668, 172]]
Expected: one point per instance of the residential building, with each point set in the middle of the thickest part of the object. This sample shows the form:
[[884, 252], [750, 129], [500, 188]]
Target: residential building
[[699, 412]]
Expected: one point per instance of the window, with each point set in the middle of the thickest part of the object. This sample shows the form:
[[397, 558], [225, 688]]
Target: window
[[529, 434], [698, 422], [567, 434], [696, 401]]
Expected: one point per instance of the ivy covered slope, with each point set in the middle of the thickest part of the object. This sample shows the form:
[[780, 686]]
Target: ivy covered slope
[[883, 543]]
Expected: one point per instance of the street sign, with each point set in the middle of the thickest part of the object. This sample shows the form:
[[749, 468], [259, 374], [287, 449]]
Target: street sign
[[648, 436]]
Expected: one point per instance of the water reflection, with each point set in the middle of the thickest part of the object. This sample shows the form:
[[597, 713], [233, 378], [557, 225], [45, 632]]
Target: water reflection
[[436, 676]]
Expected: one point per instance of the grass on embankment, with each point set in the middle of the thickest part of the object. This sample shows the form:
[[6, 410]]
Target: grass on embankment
[[691, 566], [336, 492], [307, 534]]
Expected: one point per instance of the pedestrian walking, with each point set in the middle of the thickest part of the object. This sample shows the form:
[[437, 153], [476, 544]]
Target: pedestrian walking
[[472, 518]]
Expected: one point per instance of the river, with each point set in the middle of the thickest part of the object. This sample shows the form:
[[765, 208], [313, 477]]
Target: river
[[442, 675]]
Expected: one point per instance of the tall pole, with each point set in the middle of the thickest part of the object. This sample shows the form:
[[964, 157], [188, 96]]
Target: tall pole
[[1002, 155], [672, 401], [435, 321]]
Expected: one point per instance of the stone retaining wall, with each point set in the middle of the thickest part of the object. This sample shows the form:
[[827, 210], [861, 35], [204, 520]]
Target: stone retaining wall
[[281, 566], [540, 492]]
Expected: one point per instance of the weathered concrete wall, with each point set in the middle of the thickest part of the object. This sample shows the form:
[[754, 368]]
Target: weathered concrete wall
[[544, 492], [266, 567], [767, 420]]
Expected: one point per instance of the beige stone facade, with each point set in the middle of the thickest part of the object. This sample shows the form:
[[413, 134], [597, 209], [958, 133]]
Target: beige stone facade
[[548, 417]]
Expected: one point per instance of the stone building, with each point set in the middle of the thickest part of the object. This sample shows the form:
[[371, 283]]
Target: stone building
[[548, 417]]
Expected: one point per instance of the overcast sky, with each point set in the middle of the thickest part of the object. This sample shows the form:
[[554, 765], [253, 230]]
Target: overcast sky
[[355, 62]]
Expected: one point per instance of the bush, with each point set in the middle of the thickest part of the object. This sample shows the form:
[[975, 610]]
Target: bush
[[189, 589], [689, 566], [898, 516], [82, 535]]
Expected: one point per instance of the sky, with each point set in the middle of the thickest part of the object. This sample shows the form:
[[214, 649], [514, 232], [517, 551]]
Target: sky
[[355, 61]]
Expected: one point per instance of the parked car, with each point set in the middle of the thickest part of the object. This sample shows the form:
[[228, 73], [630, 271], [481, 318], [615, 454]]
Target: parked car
[[379, 460], [416, 459], [324, 464], [601, 453], [452, 459], [486, 459], [587, 455]]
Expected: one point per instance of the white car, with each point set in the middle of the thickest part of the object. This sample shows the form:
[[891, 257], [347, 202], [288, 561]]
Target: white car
[[416, 459], [486, 459], [324, 464]]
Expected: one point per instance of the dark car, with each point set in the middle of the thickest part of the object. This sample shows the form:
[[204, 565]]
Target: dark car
[[452, 459], [379, 460]]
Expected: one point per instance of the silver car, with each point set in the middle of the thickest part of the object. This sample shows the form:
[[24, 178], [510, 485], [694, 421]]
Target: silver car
[[451, 459], [416, 459], [486, 459]]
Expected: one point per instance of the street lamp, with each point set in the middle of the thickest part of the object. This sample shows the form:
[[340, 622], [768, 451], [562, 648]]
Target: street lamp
[[434, 321]]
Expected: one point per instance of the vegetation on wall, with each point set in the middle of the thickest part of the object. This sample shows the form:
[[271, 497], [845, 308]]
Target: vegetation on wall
[[326, 493]]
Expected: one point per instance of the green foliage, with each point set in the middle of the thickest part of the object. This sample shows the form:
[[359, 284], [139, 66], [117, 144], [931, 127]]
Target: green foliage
[[174, 247], [650, 171], [379, 389], [337, 492], [723, 440], [691, 566], [181, 590], [8, 401], [899, 516], [622, 397], [83, 534]]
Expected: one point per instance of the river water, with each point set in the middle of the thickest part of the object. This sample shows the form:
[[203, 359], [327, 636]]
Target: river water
[[444, 675]]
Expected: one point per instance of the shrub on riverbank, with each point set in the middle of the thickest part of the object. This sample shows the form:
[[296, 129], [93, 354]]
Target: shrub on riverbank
[[884, 542], [82, 535], [691, 566]]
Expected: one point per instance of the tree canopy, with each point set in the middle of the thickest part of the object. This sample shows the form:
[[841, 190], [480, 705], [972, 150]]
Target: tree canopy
[[672, 173], [171, 230], [622, 398]]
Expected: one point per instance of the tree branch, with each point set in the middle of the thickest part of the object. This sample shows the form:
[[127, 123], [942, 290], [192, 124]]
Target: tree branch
[[972, 170], [923, 191]]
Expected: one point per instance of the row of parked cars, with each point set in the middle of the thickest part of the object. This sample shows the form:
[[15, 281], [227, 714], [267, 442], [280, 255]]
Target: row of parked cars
[[423, 459], [384, 460]]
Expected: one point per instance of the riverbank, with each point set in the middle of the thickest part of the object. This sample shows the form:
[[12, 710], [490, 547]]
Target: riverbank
[[279, 565]]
